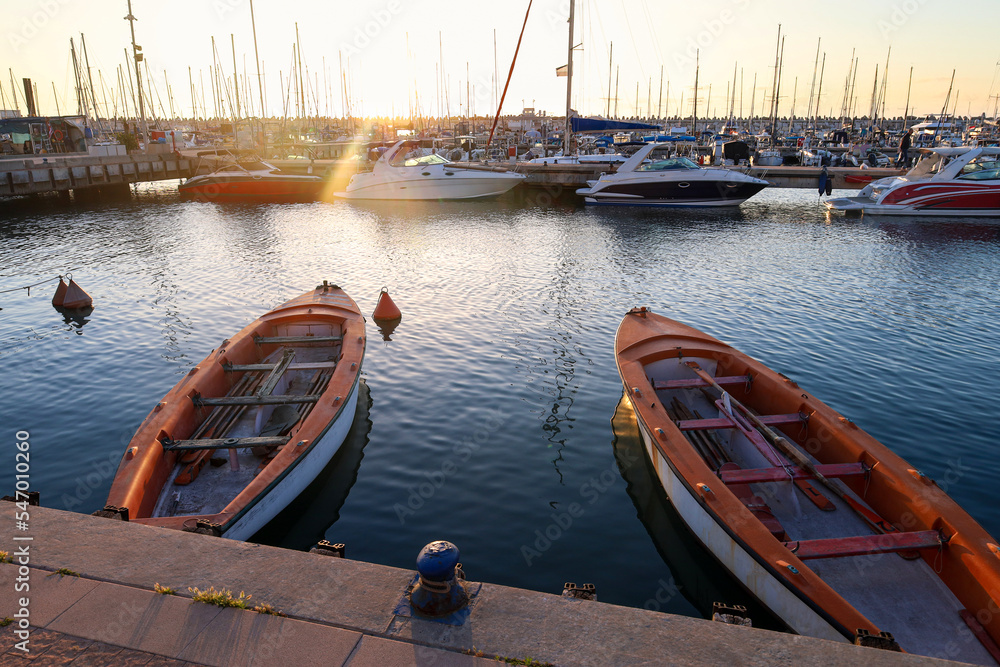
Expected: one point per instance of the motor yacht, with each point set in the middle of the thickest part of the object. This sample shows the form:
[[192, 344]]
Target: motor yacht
[[948, 181], [673, 181], [401, 174]]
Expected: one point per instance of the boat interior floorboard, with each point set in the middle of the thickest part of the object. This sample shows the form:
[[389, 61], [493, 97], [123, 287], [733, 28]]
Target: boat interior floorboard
[[904, 597], [218, 484]]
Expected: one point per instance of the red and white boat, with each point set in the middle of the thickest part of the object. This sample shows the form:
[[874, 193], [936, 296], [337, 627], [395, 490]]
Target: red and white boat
[[253, 180], [839, 537], [948, 181]]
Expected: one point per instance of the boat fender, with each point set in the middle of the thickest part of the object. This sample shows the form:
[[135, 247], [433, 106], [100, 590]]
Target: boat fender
[[829, 186], [823, 177]]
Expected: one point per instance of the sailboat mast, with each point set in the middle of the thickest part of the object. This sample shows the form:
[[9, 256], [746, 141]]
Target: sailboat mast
[[236, 81], [777, 90], [611, 54], [137, 58], [659, 105], [298, 52], [774, 78], [256, 57], [694, 114], [569, 80], [819, 92], [812, 85], [906, 110]]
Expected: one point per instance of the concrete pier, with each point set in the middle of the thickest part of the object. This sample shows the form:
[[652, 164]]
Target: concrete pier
[[102, 609]]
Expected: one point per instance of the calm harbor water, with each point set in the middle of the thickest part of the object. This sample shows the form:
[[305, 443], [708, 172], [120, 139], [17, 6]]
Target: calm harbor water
[[491, 407]]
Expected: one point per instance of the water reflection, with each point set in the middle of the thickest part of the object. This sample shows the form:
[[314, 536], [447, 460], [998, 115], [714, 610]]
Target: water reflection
[[699, 577], [75, 319], [309, 517]]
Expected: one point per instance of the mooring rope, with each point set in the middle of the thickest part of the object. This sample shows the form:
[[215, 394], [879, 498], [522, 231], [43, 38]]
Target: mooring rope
[[28, 287]]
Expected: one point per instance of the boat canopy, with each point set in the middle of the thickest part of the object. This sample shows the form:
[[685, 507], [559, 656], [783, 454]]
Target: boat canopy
[[603, 125]]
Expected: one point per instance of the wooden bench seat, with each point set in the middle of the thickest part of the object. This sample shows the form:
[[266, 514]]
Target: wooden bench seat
[[840, 547], [758, 475], [694, 383], [220, 443], [726, 422], [255, 400], [282, 340]]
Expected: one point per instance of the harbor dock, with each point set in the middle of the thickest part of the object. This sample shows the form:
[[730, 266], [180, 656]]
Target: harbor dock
[[91, 595], [56, 173]]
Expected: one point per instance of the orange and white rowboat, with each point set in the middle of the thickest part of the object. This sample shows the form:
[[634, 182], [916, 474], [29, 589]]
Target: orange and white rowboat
[[252, 425], [834, 533]]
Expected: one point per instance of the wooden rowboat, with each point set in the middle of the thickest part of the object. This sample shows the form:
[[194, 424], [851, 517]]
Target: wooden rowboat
[[247, 429], [834, 533]]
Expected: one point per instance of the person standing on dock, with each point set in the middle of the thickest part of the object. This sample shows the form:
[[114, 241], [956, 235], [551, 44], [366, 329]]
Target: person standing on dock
[[904, 150]]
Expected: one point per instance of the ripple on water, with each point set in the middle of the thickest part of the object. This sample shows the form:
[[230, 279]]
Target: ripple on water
[[491, 405]]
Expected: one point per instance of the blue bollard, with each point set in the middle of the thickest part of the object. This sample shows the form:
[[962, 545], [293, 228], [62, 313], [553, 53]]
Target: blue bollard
[[438, 591]]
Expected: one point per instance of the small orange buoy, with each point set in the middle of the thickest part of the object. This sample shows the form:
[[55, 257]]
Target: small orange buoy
[[75, 297], [385, 309], [60, 295]]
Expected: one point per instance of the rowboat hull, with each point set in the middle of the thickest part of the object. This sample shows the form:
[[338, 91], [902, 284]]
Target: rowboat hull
[[298, 478], [788, 552], [198, 461], [799, 614]]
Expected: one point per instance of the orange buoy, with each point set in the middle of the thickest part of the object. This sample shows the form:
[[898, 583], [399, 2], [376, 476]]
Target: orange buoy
[[60, 295], [75, 297], [385, 309]]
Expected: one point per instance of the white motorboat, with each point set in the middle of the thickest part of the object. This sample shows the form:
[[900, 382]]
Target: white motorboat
[[675, 181], [401, 174], [950, 181]]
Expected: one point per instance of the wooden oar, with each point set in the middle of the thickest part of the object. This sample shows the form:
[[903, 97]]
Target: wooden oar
[[798, 457]]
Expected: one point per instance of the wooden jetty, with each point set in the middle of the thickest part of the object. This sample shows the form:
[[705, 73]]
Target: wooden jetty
[[56, 173]]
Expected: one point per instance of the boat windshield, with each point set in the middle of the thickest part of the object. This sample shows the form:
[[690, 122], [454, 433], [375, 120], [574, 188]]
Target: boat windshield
[[248, 165], [669, 164], [930, 164], [983, 168], [425, 160]]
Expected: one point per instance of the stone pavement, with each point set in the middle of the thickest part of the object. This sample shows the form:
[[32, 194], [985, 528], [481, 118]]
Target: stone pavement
[[339, 612]]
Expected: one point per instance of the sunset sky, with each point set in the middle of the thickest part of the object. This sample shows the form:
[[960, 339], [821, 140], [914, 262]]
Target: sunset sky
[[391, 51]]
